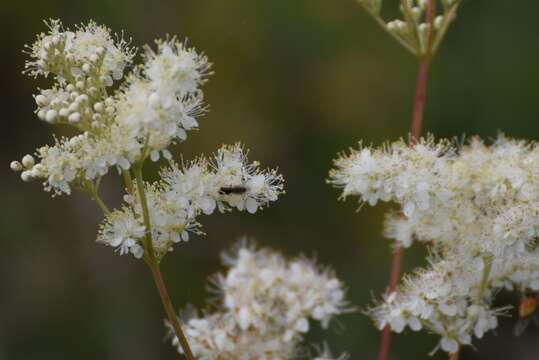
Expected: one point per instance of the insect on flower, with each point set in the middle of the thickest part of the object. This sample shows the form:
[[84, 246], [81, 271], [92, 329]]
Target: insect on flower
[[527, 312], [237, 189]]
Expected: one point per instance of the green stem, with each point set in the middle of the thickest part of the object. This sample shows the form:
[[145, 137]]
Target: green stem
[[153, 264], [484, 279], [481, 291], [128, 181], [148, 244], [101, 204], [410, 23], [449, 14], [169, 309], [93, 191]]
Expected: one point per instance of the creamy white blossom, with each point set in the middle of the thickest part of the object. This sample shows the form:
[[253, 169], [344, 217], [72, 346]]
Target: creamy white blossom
[[475, 206], [184, 193], [155, 106], [162, 98], [69, 54], [265, 306], [483, 198], [444, 299]]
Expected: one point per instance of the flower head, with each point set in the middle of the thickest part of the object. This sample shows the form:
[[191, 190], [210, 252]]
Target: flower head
[[476, 208], [265, 306]]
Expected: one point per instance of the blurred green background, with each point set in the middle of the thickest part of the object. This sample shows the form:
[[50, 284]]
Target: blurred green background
[[297, 81]]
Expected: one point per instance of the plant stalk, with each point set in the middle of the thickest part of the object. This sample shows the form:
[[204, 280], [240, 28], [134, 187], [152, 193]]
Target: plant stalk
[[101, 204], [153, 264], [169, 309], [128, 181], [415, 133]]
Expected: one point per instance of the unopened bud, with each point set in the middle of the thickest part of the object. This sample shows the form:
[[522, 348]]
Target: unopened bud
[[28, 161], [15, 166], [74, 118]]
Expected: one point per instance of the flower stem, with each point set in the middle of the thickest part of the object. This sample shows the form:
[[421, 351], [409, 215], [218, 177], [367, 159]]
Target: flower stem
[[145, 214], [484, 279], [153, 264], [92, 189], [480, 292], [415, 133], [128, 181], [101, 204], [169, 309]]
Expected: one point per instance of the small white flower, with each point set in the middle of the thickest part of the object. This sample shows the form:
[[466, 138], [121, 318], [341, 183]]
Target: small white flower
[[123, 232]]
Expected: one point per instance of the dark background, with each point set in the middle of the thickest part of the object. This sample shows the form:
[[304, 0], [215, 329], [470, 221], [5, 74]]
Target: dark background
[[297, 81]]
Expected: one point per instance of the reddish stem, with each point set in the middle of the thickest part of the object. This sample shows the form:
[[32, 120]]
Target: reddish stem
[[385, 342], [415, 133], [420, 98]]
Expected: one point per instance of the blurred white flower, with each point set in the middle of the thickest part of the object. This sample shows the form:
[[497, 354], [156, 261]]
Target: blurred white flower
[[264, 307]]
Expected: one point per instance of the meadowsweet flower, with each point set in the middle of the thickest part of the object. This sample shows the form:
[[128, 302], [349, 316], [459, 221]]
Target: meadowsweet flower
[[155, 106], [257, 188], [70, 54], [184, 193], [265, 306], [123, 231], [475, 206], [442, 299], [162, 98], [479, 197]]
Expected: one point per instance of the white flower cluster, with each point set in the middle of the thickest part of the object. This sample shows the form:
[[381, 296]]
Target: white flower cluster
[[442, 299], [153, 108], [413, 31], [264, 308], [175, 202], [475, 206], [69, 54]]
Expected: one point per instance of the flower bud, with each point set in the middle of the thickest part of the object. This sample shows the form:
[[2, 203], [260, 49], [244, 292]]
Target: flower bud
[[41, 114], [26, 176], [74, 118], [41, 100], [51, 115], [63, 112], [28, 161], [15, 166], [98, 106]]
